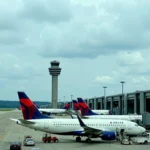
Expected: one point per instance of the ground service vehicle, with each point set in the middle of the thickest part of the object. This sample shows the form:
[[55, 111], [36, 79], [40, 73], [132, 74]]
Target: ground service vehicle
[[15, 145], [49, 138], [126, 142], [142, 140]]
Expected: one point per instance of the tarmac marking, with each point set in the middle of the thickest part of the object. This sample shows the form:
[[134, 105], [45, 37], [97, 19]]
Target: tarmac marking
[[116, 145], [3, 135]]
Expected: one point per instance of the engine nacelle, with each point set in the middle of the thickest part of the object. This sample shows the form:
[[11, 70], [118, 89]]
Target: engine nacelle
[[108, 135]]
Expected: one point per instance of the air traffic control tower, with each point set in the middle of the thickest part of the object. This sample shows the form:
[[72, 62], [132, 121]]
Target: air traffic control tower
[[54, 70]]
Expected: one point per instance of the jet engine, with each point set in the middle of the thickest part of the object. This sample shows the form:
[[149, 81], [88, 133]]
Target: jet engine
[[108, 135]]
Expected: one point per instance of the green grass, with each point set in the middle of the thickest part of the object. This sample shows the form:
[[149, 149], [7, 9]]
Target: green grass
[[6, 109]]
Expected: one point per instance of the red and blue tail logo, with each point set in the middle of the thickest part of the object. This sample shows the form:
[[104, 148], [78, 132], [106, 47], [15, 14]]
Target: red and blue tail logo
[[76, 105], [36, 105], [86, 111], [67, 106], [29, 109]]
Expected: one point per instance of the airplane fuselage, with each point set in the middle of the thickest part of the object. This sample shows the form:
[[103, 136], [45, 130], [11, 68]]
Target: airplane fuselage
[[55, 111], [100, 112], [123, 117], [104, 112], [72, 126]]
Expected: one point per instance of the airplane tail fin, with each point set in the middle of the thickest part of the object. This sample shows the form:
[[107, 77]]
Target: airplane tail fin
[[76, 105], [29, 109], [110, 112], [36, 105], [86, 111], [67, 106]]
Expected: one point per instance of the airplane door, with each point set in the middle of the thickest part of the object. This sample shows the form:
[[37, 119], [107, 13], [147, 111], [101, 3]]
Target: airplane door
[[117, 130], [46, 125]]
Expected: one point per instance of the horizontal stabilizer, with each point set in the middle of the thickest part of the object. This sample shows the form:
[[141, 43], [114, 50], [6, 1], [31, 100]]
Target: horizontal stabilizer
[[22, 121], [26, 122], [13, 119]]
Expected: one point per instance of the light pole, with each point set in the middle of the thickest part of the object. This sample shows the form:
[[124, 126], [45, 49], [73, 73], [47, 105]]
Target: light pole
[[122, 82], [64, 100], [105, 97], [71, 97]]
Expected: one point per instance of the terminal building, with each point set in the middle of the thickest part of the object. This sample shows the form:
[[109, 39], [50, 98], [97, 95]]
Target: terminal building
[[130, 103]]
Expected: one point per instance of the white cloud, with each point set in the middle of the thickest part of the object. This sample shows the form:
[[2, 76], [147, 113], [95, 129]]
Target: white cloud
[[103, 79], [14, 68], [140, 80], [95, 30], [89, 38], [130, 58], [53, 11]]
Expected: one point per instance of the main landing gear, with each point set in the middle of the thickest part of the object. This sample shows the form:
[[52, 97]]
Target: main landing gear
[[88, 140], [78, 139]]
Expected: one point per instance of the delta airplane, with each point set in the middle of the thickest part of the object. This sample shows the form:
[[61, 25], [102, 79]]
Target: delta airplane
[[86, 112], [55, 111], [100, 112], [100, 128], [47, 111]]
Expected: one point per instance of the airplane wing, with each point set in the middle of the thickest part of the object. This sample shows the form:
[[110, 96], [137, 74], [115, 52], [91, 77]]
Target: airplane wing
[[22, 121], [89, 130]]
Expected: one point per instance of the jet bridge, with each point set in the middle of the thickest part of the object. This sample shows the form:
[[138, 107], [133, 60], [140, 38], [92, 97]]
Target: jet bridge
[[146, 120]]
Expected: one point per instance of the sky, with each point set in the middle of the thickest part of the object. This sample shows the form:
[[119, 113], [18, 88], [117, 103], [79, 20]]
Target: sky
[[98, 43]]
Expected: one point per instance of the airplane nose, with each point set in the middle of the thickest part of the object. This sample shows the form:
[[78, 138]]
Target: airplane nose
[[143, 129]]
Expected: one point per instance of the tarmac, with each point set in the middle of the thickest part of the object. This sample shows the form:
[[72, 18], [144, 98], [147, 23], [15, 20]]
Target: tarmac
[[10, 131]]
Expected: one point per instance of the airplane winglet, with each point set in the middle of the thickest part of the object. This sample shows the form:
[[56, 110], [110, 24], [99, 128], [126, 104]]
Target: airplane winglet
[[80, 121], [71, 116]]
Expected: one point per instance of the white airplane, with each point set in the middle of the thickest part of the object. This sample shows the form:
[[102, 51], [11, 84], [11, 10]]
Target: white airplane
[[100, 112], [86, 112], [49, 111], [105, 129], [55, 111]]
